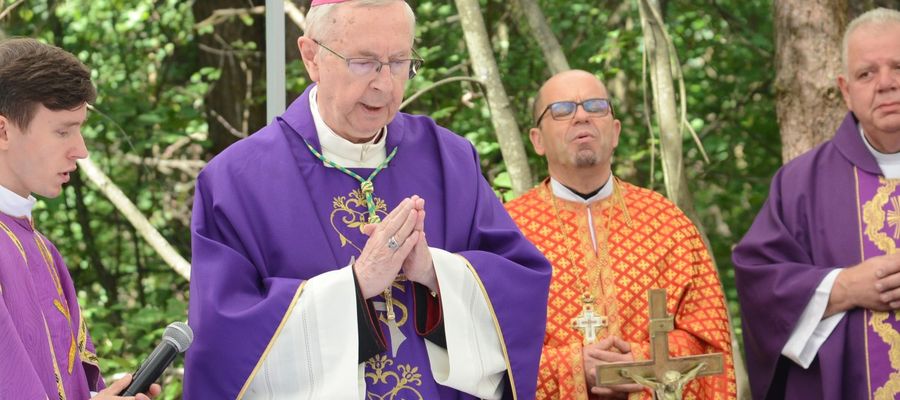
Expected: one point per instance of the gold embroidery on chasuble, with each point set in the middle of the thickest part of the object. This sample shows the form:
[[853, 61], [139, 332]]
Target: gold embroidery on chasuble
[[893, 216], [86, 355], [349, 214], [876, 223], [15, 241], [57, 375], [60, 303], [404, 377]]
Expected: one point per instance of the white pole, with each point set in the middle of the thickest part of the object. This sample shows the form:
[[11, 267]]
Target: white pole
[[275, 96]]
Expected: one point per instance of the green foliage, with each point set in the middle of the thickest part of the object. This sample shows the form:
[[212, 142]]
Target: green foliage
[[726, 51], [729, 74], [144, 55]]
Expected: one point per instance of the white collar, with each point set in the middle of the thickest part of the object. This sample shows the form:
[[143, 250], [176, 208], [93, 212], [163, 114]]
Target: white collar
[[342, 151], [888, 163], [14, 205], [561, 191]]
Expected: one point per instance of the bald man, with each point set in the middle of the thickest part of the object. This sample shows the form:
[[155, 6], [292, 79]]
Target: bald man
[[609, 242]]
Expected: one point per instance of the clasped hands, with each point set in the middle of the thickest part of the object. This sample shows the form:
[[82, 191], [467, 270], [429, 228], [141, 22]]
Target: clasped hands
[[608, 350], [396, 243], [873, 284]]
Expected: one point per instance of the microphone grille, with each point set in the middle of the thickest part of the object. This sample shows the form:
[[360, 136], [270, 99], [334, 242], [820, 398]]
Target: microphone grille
[[179, 334]]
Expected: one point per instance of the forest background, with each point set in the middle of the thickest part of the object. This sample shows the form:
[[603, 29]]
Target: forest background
[[178, 81]]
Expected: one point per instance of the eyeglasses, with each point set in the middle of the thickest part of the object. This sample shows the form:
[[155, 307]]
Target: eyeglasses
[[367, 66], [563, 110]]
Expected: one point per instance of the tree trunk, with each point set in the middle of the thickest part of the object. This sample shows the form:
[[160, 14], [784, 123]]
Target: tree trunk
[[543, 35], [6, 10], [663, 69], [664, 101], [502, 117], [230, 111], [807, 61], [137, 219], [108, 279]]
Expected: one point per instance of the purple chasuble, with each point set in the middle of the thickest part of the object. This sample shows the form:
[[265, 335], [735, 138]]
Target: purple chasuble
[[268, 215], [812, 223], [45, 350], [879, 206]]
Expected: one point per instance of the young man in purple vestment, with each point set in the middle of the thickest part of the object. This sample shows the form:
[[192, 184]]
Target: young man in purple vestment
[[349, 251], [818, 274], [45, 349]]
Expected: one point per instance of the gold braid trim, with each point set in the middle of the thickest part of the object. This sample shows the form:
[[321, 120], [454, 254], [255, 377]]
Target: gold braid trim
[[892, 337], [874, 218], [56, 374], [86, 355], [61, 304], [15, 240]]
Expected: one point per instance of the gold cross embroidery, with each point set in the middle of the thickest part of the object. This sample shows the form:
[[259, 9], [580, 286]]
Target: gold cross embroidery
[[893, 216]]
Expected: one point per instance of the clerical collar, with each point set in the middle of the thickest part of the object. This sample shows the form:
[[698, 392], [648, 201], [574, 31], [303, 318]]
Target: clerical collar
[[561, 191], [888, 163], [14, 205], [342, 151]]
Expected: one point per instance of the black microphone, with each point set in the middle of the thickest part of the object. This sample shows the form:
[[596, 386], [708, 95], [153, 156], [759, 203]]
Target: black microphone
[[176, 339]]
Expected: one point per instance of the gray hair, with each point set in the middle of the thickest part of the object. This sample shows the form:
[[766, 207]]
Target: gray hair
[[878, 16], [320, 22]]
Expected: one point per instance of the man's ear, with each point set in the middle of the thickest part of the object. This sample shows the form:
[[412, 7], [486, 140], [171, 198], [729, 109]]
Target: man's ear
[[617, 129], [534, 134], [308, 50], [845, 90], [4, 134]]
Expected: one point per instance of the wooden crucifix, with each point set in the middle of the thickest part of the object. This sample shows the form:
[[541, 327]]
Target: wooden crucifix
[[661, 373]]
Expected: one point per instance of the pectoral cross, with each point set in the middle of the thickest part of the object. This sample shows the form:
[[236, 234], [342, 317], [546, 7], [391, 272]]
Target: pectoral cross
[[660, 363], [588, 322]]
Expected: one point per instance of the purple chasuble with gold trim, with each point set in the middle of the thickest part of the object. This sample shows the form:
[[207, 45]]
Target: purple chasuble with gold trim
[[268, 215], [815, 220], [45, 350], [879, 200]]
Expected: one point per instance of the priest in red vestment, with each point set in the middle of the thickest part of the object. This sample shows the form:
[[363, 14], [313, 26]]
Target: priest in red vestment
[[609, 242]]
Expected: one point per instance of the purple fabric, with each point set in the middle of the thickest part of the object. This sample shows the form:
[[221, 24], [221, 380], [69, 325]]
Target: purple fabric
[[807, 227], [27, 295], [262, 224], [879, 363]]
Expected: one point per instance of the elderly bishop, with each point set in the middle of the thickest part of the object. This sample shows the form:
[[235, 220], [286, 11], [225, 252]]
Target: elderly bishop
[[349, 251]]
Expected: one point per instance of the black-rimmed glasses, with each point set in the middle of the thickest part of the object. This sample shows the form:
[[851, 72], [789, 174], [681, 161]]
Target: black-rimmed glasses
[[367, 66], [563, 110]]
